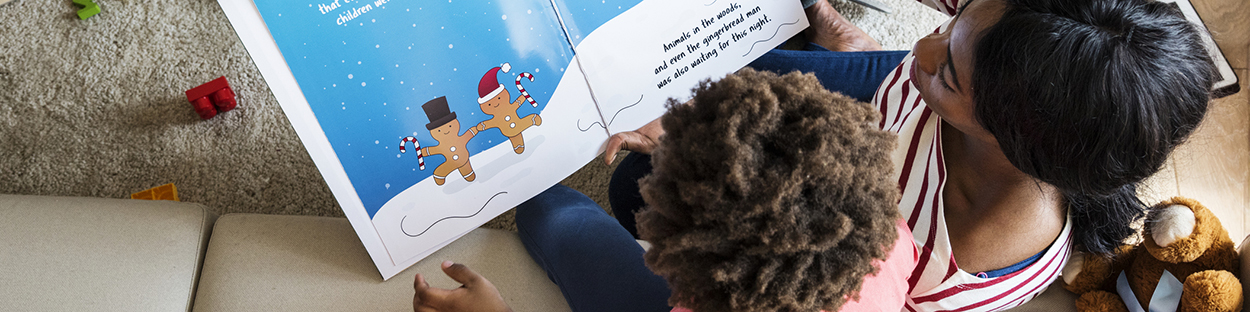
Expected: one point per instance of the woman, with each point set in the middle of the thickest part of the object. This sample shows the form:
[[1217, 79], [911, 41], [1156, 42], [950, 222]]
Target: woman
[[1024, 127]]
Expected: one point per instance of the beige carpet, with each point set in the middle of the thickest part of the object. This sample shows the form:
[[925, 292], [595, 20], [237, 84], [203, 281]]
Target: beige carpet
[[96, 107]]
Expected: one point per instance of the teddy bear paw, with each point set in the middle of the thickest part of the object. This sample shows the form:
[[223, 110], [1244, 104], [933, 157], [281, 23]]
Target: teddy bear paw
[[1100, 301], [1211, 290]]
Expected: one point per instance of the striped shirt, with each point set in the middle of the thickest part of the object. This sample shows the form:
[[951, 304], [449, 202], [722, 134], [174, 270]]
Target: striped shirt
[[937, 283]]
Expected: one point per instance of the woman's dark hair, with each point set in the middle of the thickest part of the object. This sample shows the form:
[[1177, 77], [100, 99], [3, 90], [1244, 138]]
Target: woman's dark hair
[[769, 193], [1091, 96]]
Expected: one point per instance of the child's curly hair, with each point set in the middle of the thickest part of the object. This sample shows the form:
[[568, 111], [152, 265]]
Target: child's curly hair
[[769, 193]]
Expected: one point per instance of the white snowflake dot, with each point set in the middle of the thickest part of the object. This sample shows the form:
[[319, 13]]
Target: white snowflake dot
[[505, 17], [362, 84], [349, 76], [376, 142], [449, 46], [377, 46], [529, 11]]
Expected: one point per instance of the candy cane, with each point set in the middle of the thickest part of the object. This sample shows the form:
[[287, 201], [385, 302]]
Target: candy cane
[[416, 145], [522, 88]]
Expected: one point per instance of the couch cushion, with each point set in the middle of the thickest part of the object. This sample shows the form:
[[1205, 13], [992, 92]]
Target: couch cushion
[[268, 262], [97, 254]]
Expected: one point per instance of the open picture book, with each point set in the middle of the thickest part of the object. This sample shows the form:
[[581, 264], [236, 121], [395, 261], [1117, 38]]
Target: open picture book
[[430, 118]]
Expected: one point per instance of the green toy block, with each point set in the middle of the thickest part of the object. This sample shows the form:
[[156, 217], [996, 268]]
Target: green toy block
[[89, 9]]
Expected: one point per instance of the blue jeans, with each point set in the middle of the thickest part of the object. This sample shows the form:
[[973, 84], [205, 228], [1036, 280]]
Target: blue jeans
[[855, 74], [595, 262]]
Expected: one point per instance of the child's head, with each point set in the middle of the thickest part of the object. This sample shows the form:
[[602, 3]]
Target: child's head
[[768, 193]]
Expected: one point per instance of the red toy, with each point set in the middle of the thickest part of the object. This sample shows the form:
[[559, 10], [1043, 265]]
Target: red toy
[[214, 93]]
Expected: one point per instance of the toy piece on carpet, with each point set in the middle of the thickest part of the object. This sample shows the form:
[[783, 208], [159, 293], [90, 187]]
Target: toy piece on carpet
[[1186, 263], [88, 10], [211, 98], [163, 192]]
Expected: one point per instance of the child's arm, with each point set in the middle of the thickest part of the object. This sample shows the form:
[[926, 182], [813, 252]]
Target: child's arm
[[477, 294]]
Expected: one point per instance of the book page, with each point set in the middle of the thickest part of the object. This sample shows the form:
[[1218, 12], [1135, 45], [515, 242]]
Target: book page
[[583, 17], [661, 49], [487, 94]]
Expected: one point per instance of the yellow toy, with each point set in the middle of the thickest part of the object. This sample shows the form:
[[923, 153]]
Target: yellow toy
[[163, 192]]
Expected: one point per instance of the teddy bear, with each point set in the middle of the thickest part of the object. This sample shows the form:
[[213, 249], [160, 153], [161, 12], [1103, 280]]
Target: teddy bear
[[1185, 263]]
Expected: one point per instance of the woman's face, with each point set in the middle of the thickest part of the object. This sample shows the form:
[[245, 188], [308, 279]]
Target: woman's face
[[943, 68]]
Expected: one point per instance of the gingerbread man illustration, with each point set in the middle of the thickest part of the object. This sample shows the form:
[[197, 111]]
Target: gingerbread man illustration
[[445, 128], [493, 98]]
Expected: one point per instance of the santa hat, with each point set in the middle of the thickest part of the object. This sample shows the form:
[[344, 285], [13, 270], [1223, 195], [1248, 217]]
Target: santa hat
[[489, 87]]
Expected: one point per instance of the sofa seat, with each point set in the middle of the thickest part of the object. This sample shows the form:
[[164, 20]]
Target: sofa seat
[[301, 263], [94, 254]]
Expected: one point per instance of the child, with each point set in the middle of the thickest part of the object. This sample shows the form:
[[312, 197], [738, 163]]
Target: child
[[769, 193]]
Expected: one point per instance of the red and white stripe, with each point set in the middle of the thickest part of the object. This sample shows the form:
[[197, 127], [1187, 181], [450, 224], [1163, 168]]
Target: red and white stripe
[[522, 88], [416, 145], [937, 283]]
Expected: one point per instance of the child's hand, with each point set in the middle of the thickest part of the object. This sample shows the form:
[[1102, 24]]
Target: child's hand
[[477, 294]]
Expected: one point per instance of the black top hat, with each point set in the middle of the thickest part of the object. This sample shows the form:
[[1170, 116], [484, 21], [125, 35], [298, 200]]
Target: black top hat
[[438, 113]]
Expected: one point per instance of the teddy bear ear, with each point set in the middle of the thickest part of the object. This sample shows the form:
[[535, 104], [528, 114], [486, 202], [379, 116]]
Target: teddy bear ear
[[1170, 224], [1186, 240]]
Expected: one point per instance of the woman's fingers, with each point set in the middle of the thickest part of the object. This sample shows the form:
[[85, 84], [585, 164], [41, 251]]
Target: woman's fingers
[[630, 141]]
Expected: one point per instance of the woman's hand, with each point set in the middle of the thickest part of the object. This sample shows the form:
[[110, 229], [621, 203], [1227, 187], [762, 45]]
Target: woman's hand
[[832, 31], [477, 294], [643, 140]]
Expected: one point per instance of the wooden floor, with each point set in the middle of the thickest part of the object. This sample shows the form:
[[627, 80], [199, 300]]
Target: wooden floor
[[1214, 166]]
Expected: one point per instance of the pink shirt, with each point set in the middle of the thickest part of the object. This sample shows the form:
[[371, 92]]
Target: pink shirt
[[887, 289]]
